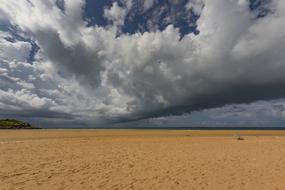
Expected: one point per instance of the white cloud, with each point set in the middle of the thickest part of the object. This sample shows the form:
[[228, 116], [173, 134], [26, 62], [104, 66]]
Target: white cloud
[[13, 50], [88, 72], [116, 15], [196, 6]]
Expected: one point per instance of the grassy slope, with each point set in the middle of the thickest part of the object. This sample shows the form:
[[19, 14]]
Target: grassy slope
[[14, 124]]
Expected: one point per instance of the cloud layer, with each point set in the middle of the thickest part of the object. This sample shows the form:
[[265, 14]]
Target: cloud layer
[[99, 73]]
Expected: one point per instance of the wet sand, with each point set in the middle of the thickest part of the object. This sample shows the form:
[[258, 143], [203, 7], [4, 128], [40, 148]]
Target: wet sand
[[141, 159]]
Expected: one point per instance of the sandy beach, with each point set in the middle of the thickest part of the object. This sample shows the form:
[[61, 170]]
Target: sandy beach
[[141, 159]]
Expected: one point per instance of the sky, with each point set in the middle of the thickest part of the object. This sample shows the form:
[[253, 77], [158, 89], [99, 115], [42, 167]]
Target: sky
[[143, 63]]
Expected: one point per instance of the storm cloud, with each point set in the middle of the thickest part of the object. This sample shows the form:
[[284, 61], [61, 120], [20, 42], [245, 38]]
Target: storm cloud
[[233, 53]]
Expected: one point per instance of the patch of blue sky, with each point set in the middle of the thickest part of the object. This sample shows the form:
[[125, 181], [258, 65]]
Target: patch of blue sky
[[94, 12], [158, 17], [17, 35], [260, 7]]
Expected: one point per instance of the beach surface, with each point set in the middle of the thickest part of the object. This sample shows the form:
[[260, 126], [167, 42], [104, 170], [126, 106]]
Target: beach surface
[[141, 159]]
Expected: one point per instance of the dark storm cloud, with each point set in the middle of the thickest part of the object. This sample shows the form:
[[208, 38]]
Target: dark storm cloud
[[77, 59], [32, 114]]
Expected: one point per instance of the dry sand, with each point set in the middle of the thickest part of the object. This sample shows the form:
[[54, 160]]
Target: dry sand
[[134, 159]]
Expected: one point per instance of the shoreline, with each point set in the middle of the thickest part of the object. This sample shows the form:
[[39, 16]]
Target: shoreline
[[12, 134]]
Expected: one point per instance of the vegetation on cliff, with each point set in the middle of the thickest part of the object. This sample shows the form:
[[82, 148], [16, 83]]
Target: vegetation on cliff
[[14, 124]]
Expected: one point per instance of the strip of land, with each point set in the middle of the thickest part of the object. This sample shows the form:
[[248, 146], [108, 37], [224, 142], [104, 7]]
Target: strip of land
[[142, 159]]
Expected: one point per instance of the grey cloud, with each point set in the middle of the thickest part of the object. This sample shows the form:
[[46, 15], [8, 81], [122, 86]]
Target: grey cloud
[[78, 60]]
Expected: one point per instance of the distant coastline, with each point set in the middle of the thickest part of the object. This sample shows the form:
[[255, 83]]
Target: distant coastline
[[15, 124], [205, 128], [176, 128]]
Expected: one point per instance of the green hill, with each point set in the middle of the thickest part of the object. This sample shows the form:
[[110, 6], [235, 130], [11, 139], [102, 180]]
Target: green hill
[[14, 124]]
